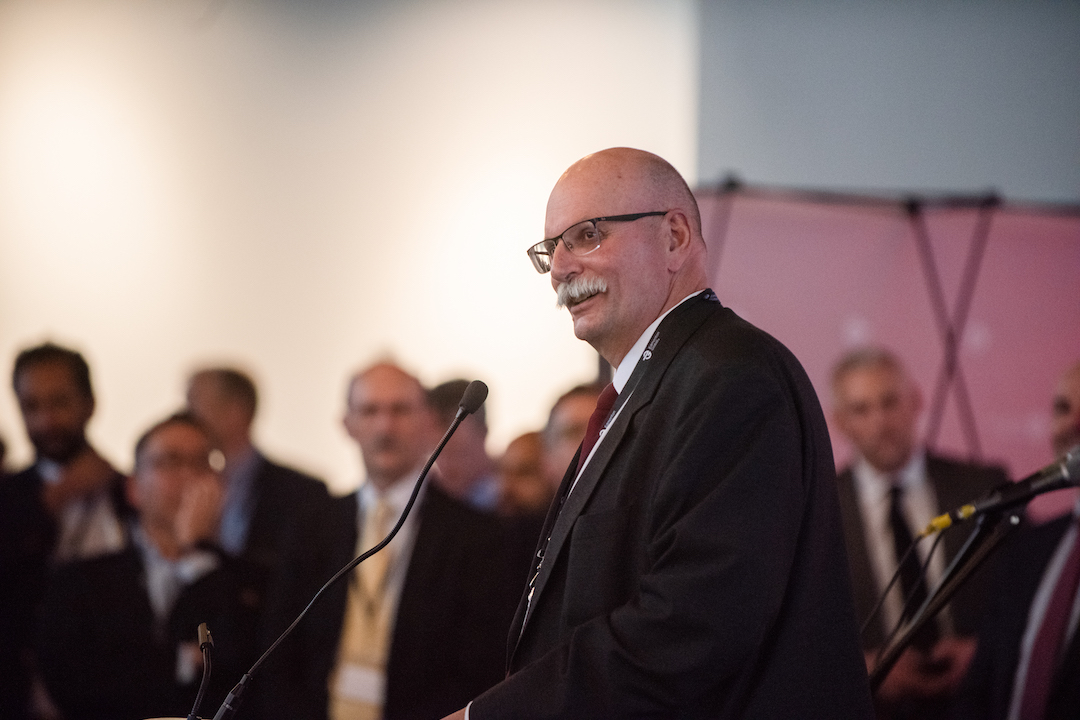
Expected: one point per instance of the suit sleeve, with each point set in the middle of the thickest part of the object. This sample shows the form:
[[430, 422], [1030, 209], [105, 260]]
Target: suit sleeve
[[724, 468]]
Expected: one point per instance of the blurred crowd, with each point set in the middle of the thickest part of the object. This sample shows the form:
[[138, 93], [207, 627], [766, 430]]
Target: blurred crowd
[[107, 576], [104, 577]]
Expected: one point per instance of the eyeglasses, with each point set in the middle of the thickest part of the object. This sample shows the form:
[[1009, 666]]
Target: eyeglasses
[[580, 239]]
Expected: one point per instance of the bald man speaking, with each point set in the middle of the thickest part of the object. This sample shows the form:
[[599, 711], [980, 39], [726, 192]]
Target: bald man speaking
[[692, 564]]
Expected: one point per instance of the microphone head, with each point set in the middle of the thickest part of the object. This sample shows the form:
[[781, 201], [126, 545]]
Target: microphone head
[[204, 636], [1070, 463], [473, 397]]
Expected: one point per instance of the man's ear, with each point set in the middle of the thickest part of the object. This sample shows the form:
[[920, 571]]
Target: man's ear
[[88, 410], [679, 238], [346, 423]]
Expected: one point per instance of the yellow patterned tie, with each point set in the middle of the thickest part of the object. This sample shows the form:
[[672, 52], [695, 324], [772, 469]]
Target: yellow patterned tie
[[374, 570], [357, 686]]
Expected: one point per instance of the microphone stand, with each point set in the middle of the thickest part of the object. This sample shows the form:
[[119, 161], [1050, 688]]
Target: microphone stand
[[989, 531], [471, 400]]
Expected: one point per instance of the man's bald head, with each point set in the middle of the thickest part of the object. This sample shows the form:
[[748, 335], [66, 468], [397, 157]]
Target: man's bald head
[[636, 176], [642, 268], [388, 416]]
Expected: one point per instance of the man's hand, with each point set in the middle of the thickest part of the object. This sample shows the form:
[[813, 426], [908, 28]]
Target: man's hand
[[459, 715], [87, 474], [954, 653], [919, 674], [199, 512]]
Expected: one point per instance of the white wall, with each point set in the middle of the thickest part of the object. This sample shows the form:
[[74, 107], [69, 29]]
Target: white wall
[[930, 95], [303, 187]]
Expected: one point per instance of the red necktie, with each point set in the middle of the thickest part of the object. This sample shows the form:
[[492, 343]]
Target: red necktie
[[596, 421], [1048, 641]]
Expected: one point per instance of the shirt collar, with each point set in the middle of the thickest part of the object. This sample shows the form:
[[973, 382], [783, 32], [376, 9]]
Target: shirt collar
[[187, 568], [626, 368], [49, 470], [397, 495], [876, 484]]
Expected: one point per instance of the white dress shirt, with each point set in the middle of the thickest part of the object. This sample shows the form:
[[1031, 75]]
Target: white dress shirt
[[919, 507], [87, 526]]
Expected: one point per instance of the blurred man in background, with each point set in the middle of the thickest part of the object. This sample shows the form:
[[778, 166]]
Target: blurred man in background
[[523, 489], [424, 621], [273, 517], [466, 471], [1028, 659], [117, 637], [891, 491], [565, 428], [1065, 412], [69, 504]]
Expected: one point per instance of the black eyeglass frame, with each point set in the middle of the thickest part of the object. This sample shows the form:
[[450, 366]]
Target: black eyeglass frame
[[541, 252]]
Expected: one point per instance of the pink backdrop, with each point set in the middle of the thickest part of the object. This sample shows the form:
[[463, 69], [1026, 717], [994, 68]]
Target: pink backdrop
[[828, 272]]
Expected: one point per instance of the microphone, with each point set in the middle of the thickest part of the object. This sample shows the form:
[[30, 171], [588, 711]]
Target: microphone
[[473, 397], [206, 642], [471, 400], [1064, 472]]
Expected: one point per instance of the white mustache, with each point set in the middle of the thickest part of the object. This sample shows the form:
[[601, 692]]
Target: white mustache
[[578, 289]]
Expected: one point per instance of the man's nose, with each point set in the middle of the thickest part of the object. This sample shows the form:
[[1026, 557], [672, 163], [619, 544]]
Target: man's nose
[[564, 264], [45, 418]]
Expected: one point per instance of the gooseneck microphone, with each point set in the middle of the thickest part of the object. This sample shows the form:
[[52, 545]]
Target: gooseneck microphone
[[471, 400], [1064, 472], [206, 643]]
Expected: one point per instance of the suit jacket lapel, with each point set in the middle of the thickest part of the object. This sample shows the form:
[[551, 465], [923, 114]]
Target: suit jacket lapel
[[545, 532], [672, 334], [564, 521]]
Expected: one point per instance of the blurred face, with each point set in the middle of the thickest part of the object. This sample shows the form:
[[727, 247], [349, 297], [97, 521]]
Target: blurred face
[[1066, 412], [630, 260], [565, 431], [464, 458], [175, 458], [54, 410], [223, 417], [522, 485], [877, 409], [388, 417]]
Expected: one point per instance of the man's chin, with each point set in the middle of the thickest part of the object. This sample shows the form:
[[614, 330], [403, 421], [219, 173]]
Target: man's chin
[[585, 328], [60, 451], [891, 461]]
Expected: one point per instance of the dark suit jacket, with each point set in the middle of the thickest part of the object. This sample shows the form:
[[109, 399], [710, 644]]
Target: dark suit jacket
[[1015, 576], [27, 539], [697, 570], [955, 484], [103, 656], [449, 635], [288, 544]]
